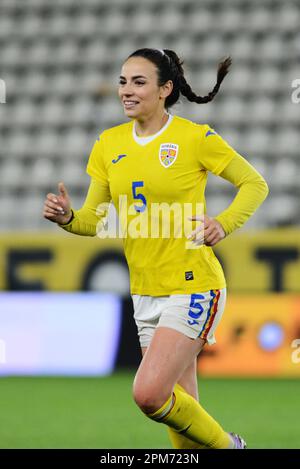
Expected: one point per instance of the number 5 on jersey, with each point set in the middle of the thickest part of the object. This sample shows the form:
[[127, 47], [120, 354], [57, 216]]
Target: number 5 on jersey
[[136, 196]]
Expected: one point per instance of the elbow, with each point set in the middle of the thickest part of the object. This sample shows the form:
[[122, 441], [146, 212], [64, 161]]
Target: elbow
[[261, 187], [264, 188]]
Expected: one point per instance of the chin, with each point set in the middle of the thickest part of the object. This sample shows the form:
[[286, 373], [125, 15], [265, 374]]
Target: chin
[[130, 113]]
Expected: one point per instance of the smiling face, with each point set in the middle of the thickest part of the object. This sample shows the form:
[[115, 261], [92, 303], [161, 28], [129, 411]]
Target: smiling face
[[139, 91]]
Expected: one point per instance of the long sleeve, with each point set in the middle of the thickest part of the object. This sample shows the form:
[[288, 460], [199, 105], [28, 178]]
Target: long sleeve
[[90, 217], [253, 190]]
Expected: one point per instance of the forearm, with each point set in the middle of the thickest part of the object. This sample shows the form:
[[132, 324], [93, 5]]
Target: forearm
[[90, 217], [252, 192]]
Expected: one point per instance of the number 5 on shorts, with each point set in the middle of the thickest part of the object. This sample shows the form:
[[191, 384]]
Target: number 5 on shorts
[[195, 305]]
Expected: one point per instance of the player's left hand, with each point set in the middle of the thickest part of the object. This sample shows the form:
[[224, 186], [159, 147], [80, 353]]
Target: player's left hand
[[209, 231]]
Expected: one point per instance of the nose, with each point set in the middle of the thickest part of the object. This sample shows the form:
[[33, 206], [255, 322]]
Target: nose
[[126, 90]]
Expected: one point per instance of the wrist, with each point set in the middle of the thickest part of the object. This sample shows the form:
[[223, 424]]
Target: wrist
[[69, 219], [221, 225]]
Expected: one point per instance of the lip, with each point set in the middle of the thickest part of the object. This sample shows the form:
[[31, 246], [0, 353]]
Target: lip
[[130, 101], [128, 104]]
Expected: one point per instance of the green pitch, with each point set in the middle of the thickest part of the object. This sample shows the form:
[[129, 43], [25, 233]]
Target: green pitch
[[100, 412]]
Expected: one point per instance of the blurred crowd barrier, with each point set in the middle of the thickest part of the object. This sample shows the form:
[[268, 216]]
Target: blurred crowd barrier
[[259, 334]]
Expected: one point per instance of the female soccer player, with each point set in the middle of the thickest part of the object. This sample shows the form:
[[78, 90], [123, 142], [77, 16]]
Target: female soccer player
[[177, 284]]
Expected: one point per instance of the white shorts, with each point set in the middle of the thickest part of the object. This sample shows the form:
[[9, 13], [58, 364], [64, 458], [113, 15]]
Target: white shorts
[[194, 315]]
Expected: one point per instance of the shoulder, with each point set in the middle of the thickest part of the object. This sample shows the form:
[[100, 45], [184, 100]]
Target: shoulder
[[193, 129], [117, 131]]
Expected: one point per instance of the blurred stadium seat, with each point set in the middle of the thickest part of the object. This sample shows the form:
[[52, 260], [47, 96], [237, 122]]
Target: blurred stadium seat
[[60, 60]]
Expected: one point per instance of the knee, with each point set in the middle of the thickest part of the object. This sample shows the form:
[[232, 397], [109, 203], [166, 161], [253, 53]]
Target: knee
[[149, 398]]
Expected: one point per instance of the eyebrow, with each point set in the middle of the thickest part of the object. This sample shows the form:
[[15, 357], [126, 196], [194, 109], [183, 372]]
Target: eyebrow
[[134, 78]]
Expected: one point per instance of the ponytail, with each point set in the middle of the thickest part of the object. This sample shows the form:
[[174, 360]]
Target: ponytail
[[187, 91], [169, 67]]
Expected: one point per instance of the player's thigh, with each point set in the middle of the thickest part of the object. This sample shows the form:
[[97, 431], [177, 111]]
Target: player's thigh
[[169, 355], [188, 379]]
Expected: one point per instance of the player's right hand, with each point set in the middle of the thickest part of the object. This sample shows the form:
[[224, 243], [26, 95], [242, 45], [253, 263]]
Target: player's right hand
[[57, 208]]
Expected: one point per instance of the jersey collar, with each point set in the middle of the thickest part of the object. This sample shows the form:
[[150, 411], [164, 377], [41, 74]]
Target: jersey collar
[[144, 140]]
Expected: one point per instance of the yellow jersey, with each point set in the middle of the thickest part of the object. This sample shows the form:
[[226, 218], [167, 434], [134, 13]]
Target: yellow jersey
[[170, 169]]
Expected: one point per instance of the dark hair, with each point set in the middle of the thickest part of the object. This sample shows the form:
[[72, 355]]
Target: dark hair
[[169, 67]]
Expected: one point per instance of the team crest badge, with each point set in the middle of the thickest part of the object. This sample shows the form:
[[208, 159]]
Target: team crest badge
[[167, 154]]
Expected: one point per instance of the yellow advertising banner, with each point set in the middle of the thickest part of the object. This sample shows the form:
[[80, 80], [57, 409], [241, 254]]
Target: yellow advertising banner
[[55, 262], [260, 261], [254, 262]]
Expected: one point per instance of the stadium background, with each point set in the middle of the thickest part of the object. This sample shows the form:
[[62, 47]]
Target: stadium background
[[65, 312]]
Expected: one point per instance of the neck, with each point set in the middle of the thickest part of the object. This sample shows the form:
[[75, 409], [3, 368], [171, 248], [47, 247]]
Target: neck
[[152, 125]]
